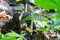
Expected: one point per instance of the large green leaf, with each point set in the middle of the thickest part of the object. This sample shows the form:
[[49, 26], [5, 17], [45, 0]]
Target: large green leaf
[[48, 4]]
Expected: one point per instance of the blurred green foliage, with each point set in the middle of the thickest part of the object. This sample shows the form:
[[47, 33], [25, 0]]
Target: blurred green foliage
[[11, 36]]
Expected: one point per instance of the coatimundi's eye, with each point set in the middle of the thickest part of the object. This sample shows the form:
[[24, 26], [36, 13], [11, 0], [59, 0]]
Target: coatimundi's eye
[[1, 10]]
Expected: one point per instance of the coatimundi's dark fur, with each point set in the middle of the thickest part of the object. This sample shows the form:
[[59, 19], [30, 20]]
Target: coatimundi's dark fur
[[13, 24]]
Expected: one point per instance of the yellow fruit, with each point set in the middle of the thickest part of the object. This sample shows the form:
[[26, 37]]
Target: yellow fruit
[[27, 29]]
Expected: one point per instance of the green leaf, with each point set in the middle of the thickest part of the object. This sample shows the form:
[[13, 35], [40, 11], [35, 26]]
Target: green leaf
[[44, 29], [27, 18], [0, 34], [31, 1], [18, 0], [12, 34], [31, 17], [8, 38], [57, 22], [58, 14], [45, 19], [48, 4], [20, 39]]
